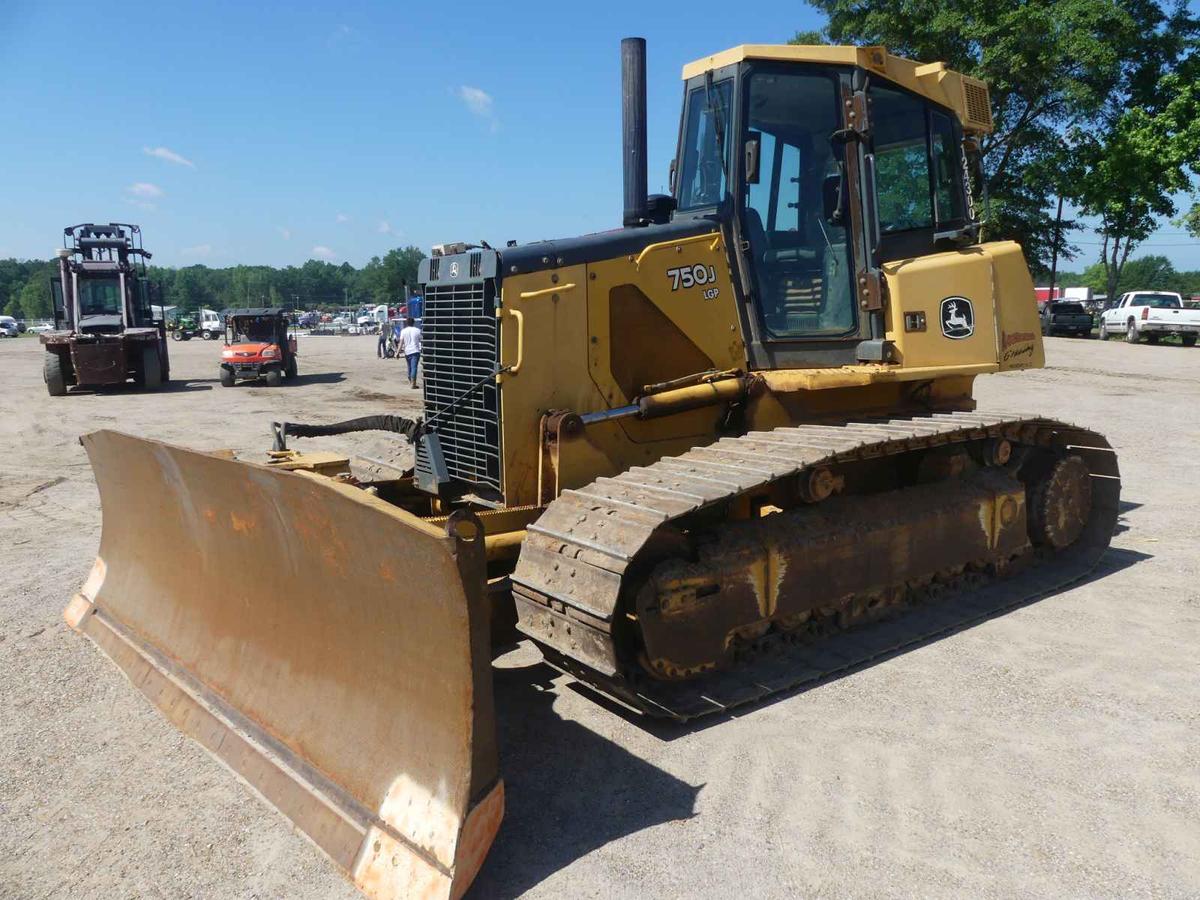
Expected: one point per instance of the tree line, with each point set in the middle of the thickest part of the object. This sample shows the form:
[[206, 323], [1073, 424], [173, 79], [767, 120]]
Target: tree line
[[322, 285], [25, 284], [1143, 273]]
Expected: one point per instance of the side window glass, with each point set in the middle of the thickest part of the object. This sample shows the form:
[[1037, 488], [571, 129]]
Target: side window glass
[[947, 170], [760, 194], [901, 161], [702, 177], [787, 207]]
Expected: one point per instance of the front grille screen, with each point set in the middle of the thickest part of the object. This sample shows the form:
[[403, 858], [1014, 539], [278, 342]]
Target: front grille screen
[[459, 348]]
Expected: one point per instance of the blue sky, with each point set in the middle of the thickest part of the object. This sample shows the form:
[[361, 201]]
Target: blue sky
[[238, 132]]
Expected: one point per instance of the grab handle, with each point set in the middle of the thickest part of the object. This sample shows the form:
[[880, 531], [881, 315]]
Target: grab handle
[[515, 367]]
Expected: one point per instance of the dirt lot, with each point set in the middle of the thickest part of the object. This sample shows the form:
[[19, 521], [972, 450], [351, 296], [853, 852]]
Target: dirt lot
[[1052, 752]]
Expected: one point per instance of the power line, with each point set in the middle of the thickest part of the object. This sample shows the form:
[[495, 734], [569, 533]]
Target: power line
[[1140, 244]]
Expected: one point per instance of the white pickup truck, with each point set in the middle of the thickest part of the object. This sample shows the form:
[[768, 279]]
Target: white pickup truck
[[1152, 314]]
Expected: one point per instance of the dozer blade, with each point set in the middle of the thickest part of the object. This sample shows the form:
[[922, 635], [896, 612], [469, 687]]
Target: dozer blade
[[331, 649]]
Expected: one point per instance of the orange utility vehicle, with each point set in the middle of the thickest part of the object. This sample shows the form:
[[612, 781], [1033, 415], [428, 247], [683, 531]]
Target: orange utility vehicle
[[259, 343]]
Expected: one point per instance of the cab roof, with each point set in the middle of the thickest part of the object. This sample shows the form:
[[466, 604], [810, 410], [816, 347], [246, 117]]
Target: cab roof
[[967, 96]]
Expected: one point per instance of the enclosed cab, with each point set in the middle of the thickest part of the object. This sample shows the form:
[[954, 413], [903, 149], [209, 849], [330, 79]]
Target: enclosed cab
[[105, 329], [821, 241], [259, 343]]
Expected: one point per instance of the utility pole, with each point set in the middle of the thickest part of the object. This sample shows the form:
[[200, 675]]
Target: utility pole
[[1054, 249]]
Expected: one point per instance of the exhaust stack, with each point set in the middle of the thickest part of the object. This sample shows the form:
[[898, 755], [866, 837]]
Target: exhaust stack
[[633, 130]]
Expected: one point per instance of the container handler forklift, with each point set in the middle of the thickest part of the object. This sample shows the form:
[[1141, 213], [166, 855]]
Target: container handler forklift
[[722, 451], [105, 331]]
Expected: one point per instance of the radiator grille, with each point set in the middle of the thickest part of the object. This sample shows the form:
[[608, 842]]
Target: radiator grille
[[459, 348]]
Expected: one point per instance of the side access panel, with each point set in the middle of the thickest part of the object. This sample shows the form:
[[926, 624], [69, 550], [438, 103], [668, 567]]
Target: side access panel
[[969, 311], [329, 648]]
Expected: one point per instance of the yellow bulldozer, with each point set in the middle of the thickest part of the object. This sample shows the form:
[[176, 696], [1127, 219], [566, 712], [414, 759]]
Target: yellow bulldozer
[[722, 451]]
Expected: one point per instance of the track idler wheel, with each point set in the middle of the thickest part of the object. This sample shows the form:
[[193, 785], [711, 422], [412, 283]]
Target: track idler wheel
[[1061, 503]]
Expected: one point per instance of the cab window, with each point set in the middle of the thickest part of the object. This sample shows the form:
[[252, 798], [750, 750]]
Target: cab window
[[901, 161], [946, 157], [918, 172], [798, 250], [701, 172], [99, 297]]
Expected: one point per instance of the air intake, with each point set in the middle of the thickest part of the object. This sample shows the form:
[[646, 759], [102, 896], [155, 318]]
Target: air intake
[[977, 104]]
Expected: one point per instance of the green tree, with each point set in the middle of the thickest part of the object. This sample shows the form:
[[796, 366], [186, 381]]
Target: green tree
[[1143, 273], [1050, 65], [34, 299], [189, 291], [1128, 173], [1191, 221]]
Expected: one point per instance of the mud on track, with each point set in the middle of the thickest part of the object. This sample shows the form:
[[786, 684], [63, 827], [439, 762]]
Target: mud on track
[[1051, 751]]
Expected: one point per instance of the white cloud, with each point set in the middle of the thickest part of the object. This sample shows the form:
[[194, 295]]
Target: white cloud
[[285, 233], [341, 217], [198, 250], [480, 103], [385, 227], [169, 155], [322, 252], [145, 190]]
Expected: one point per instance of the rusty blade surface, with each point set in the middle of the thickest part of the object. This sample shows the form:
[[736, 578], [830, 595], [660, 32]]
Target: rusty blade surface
[[329, 648]]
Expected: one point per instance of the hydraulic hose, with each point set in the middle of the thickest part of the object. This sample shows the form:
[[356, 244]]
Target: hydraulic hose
[[410, 428]]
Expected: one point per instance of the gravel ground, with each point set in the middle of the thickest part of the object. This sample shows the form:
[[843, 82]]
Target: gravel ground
[[1050, 752]]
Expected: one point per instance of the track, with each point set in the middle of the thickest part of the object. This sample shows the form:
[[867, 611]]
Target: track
[[576, 557]]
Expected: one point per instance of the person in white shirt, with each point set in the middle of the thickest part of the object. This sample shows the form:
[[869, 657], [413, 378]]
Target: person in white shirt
[[410, 346]]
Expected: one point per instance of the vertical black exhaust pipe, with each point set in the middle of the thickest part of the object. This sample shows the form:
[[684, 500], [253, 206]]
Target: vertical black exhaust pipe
[[633, 130]]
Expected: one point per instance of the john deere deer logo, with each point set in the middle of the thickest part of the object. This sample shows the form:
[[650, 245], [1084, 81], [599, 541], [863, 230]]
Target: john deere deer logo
[[958, 318]]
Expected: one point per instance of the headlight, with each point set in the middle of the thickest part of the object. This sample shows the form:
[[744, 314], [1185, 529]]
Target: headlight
[[269, 352], [227, 354]]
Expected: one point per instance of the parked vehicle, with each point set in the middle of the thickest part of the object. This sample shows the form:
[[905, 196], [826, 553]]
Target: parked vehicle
[[258, 343], [182, 328], [41, 328], [8, 327], [210, 324], [1066, 317], [309, 320], [105, 331], [1152, 314]]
